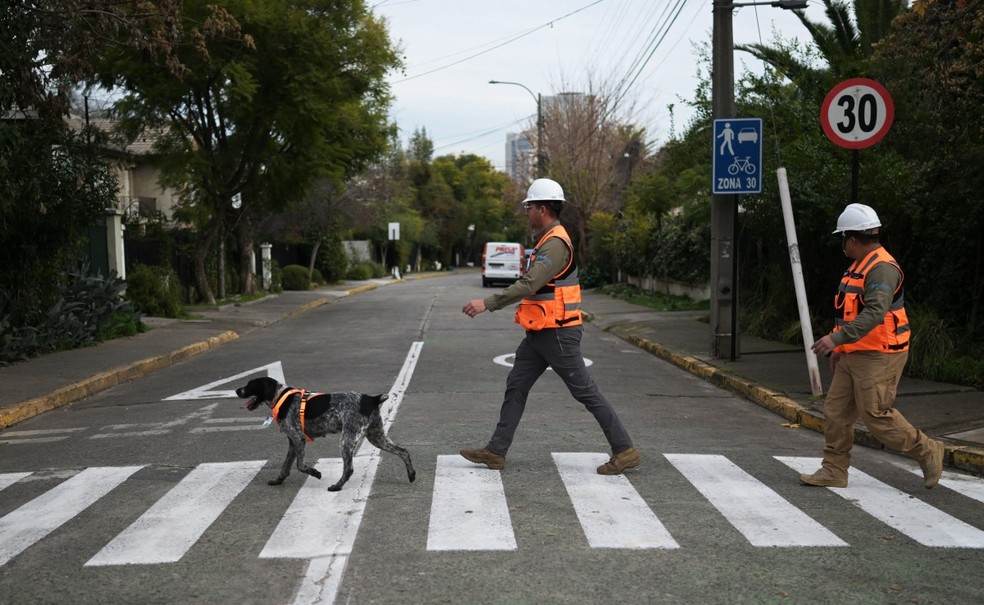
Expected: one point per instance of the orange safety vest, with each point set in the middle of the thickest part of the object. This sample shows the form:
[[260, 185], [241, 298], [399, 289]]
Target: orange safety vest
[[558, 303], [305, 395], [890, 336]]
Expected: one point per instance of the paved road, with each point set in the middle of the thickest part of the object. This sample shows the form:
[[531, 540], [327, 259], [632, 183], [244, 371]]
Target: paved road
[[155, 491]]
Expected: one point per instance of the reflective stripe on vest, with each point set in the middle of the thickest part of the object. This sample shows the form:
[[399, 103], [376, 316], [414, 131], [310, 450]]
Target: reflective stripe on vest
[[890, 336], [558, 303]]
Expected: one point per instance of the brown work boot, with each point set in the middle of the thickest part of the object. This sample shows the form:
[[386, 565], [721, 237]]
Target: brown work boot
[[932, 464], [825, 478], [629, 458], [485, 456]]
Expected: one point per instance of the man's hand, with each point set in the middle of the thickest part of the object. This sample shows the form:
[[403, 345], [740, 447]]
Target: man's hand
[[474, 307], [824, 346]]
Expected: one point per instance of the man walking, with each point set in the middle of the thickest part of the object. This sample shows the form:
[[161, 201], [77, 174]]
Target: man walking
[[550, 310], [869, 346]]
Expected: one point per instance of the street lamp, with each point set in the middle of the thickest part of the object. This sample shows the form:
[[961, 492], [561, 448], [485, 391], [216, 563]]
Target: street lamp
[[541, 168], [724, 207]]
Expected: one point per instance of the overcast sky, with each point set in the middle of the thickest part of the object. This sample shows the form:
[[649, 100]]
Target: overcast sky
[[452, 48]]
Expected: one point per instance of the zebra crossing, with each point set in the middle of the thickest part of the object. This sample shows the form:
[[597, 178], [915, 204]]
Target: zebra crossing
[[469, 510]]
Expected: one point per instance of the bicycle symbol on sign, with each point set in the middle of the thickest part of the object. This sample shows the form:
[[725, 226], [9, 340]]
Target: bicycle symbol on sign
[[742, 164]]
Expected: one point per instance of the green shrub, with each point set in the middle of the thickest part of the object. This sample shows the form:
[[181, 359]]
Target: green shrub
[[91, 308], [360, 272], [295, 277], [332, 260], [155, 291], [316, 277]]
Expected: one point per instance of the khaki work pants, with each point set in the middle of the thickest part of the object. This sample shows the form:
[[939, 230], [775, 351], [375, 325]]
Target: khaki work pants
[[865, 384]]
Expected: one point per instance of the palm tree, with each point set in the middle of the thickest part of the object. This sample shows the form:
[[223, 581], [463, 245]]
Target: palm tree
[[844, 44]]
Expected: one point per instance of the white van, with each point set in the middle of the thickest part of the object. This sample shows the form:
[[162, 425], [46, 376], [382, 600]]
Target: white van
[[502, 262]]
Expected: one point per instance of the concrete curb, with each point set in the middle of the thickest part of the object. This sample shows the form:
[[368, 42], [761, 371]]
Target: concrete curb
[[963, 457], [105, 380]]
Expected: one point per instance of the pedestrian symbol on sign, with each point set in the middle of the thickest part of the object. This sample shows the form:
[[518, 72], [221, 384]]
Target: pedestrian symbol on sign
[[737, 156]]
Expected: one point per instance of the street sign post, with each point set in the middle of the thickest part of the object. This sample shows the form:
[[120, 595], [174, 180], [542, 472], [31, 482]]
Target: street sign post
[[857, 113], [737, 156]]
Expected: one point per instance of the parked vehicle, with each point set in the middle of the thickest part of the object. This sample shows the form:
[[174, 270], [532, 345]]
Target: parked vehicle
[[502, 262]]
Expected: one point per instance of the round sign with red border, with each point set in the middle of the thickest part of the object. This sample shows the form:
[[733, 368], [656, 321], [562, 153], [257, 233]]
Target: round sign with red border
[[857, 113]]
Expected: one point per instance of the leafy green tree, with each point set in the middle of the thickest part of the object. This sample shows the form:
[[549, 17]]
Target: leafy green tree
[[295, 92], [46, 49]]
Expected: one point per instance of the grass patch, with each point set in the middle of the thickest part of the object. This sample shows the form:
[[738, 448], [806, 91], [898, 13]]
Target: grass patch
[[654, 300]]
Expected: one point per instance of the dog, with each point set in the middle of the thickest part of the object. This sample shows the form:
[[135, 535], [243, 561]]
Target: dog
[[351, 414]]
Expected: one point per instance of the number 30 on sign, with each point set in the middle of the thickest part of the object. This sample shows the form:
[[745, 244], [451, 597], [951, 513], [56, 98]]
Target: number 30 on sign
[[857, 113]]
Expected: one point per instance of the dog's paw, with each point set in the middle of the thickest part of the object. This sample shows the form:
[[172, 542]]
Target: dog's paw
[[276, 481], [412, 475], [315, 473], [335, 488]]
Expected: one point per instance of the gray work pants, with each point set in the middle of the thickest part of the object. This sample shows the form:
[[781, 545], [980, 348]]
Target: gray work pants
[[560, 349]]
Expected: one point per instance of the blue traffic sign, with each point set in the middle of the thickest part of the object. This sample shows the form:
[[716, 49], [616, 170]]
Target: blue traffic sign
[[737, 154]]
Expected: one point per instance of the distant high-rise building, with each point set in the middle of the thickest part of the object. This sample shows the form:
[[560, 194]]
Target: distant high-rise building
[[520, 157]]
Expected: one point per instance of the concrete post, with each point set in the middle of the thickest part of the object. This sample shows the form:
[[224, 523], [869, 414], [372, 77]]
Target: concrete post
[[267, 265], [114, 242]]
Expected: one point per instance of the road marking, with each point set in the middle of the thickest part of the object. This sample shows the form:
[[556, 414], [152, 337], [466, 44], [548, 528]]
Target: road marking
[[761, 515], [320, 523], [468, 510], [8, 479], [174, 523], [273, 370], [923, 523], [49, 511], [157, 428], [324, 574], [507, 360], [611, 511], [968, 485], [37, 436]]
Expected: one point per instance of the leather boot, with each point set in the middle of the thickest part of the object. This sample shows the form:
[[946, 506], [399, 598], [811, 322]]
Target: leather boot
[[485, 456], [932, 464], [629, 458], [825, 478]]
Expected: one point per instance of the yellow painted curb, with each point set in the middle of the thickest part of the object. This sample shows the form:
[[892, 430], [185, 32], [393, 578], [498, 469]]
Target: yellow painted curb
[[100, 382], [362, 289]]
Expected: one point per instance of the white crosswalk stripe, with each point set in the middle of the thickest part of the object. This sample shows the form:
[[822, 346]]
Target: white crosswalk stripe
[[759, 513], [171, 526], [302, 534], [611, 511], [49, 511], [468, 510], [923, 523], [8, 479]]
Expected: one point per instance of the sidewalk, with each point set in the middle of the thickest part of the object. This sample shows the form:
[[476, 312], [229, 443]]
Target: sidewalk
[[770, 374]]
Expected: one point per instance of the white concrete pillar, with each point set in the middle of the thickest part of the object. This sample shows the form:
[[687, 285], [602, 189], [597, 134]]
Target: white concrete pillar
[[114, 241], [267, 265]]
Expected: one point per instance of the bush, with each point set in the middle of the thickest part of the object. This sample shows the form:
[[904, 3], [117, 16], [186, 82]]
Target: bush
[[155, 291], [295, 277], [332, 260], [360, 272], [91, 308]]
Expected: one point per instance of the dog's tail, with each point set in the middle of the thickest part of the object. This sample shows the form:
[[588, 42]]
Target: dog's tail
[[371, 403]]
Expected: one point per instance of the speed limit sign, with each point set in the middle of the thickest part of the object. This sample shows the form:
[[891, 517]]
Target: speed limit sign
[[857, 113]]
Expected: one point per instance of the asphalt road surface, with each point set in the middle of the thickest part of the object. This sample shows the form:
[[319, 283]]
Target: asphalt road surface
[[155, 491]]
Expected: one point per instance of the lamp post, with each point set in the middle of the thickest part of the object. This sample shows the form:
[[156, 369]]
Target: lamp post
[[541, 168], [724, 207]]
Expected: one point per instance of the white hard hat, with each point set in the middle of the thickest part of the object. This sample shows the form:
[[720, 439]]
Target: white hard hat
[[545, 190], [857, 217]]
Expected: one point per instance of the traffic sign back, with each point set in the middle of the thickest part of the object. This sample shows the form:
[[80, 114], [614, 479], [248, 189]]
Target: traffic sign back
[[737, 156]]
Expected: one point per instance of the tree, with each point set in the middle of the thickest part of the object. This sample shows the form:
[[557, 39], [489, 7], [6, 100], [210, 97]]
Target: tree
[[46, 49], [296, 92], [592, 152]]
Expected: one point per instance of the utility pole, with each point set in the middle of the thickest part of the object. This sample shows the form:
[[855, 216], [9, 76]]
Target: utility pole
[[725, 332], [724, 207]]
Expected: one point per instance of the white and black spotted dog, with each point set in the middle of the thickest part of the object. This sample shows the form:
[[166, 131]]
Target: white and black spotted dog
[[351, 414]]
